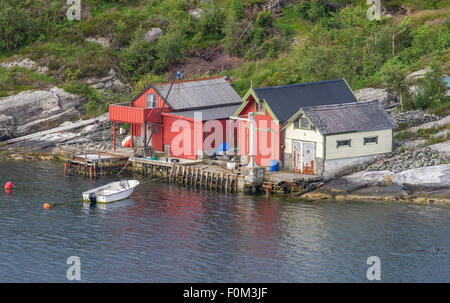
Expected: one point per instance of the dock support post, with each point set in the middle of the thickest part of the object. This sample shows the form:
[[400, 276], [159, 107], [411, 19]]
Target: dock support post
[[132, 125], [267, 191], [114, 136]]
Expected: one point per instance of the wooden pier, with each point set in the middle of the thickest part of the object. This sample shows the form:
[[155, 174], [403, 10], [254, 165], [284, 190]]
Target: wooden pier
[[94, 164], [193, 173], [188, 173]]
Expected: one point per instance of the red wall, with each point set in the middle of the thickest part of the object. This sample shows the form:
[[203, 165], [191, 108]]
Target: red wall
[[142, 100], [189, 134], [186, 133]]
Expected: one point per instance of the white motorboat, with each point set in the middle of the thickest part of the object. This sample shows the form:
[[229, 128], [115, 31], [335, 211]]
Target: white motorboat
[[111, 192]]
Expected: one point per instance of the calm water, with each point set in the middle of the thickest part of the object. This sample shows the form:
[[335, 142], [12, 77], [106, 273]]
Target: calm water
[[166, 233]]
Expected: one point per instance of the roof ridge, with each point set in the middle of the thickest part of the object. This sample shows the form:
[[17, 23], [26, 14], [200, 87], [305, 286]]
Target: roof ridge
[[192, 80], [341, 105], [206, 107], [197, 85], [299, 84]]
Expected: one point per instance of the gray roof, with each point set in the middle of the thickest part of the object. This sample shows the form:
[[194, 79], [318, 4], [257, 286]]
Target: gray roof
[[215, 113], [350, 117], [286, 100], [209, 92]]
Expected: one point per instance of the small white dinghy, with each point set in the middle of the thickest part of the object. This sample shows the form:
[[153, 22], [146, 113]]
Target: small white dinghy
[[111, 192]]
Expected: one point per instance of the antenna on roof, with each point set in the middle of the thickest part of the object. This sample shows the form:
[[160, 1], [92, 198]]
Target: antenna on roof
[[251, 83], [178, 77]]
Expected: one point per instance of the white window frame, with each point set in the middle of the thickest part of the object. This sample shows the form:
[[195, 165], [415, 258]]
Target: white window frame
[[344, 146], [152, 102], [373, 142]]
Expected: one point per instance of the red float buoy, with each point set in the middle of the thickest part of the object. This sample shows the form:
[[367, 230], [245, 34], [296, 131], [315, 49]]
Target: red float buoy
[[8, 185]]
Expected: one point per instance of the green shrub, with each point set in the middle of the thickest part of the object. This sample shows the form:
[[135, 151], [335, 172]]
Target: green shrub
[[171, 48], [211, 22], [138, 59]]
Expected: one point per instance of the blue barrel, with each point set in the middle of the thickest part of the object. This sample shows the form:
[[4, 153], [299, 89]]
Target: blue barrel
[[273, 165], [222, 148]]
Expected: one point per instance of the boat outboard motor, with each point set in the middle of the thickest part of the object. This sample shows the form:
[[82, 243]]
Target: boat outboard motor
[[92, 198]]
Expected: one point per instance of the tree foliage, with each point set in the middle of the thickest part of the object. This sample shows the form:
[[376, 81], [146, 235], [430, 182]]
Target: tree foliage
[[17, 25]]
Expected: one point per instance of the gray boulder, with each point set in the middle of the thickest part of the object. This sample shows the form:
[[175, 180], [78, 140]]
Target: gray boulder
[[153, 34]]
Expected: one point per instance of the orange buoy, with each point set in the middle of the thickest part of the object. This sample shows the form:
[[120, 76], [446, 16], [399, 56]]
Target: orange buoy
[[46, 205], [8, 185]]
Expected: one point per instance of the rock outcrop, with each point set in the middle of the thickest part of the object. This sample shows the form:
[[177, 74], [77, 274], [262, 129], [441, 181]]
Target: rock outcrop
[[433, 176], [413, 117], [420, 185], [433, 124], [401, 161], [77, 136], [108, 83], [443, 148], [276, 5], [196, 13], [380, 94], [36, 110], [25, 63], [99, 40]]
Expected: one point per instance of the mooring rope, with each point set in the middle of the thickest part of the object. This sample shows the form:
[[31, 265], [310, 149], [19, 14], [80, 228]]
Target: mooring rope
[[153, 179], [124, 167]]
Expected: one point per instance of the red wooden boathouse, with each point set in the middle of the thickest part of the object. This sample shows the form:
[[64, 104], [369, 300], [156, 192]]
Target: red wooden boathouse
[[190, 117]]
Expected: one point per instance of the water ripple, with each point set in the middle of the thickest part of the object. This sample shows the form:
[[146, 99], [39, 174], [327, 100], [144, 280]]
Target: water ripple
[[167, 233]]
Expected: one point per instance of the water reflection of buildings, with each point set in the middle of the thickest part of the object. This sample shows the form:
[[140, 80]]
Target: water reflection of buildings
[[258, 222]]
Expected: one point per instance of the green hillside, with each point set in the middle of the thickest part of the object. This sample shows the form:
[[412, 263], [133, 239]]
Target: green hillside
[[298, 41]]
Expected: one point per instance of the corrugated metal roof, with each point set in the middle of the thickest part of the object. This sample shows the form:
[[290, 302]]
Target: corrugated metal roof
[[350, 117], [216, 113], [286, 100], [197, 94]]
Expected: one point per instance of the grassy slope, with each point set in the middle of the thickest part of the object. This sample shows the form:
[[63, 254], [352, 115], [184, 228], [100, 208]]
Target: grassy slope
[[70, 58]]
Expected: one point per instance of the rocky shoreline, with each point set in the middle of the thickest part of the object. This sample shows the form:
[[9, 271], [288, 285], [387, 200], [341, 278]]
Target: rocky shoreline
[[430, 185]]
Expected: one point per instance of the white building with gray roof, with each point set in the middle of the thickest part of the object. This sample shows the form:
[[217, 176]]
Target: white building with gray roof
[[327, 138]]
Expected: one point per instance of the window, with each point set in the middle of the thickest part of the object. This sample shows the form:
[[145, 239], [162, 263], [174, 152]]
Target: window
[[260, 107], [303, 123], [343, 143], [371, 140], [151, 100]]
